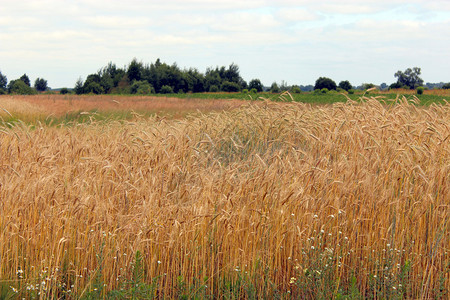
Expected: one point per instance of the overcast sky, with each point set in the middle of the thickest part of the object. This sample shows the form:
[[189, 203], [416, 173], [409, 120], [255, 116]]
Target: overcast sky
[[295, 41]]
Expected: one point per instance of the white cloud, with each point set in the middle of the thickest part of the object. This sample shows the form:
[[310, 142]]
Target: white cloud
[[283, 36], [296, 15]]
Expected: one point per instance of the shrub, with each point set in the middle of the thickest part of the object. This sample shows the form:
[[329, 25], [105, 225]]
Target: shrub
[[420, 90], [324, 90], [446, 86], [94, 88], [254, 91], [245, 91], [166, 89], [19, 87], [64, 91], [141, 88], [274, 88], [351, 91], [228, 86], [213, 89], [296, 90]]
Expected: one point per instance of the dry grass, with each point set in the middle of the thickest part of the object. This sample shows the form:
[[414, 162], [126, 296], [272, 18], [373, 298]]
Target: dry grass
[[282, 194], [40, 107], [436, 92]]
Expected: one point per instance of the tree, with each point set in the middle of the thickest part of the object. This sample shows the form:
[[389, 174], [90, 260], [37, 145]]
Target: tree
[[19, 87], [40, 84], [295, 89], [409, 78], [345, 85], [274, 88], [25, 79], [255, 84], [366, 86], [228, 86], [3, 81], [79, 87], [325, 83], [395, 85], [134, 71], [446, 86]]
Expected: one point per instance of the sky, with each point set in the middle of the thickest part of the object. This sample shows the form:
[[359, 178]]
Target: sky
[[274, 41]]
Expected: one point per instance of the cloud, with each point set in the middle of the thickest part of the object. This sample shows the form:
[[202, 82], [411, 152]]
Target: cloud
[[287, 35], [296, 15], [110, 22]]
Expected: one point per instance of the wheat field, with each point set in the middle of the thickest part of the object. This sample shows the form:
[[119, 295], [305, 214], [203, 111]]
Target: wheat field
[[266, 200]]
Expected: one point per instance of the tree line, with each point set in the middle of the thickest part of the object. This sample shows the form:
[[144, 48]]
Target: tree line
[[22, 85], [162, 78]]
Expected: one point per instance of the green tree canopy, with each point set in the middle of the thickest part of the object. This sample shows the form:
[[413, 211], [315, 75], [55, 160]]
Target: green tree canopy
[[255, 84], [141, 87], [325, 83], [345, 85], [25, 79], [274, 88], [228, 86], [19, 87], [3, 81], [78, 89], [410, 78], [40, 84], [166, 89], [134, 71]]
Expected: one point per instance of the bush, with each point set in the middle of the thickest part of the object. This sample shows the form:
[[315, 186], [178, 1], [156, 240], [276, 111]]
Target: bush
[[420, 90], [245, 91], [446, 86], [213, 89], [351, 91], [254, 91], [274, 88], [94, 88], [228, 86], [19, 87], [64, 91], [141, 88], [296, 90], [324, 90], [166, 89]]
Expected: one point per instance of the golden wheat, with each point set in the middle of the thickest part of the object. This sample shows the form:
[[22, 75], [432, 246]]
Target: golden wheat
[[261, 190]]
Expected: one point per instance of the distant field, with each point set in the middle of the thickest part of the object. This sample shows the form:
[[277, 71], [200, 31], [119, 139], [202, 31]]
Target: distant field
[[431, 96], [203, 198], [56, 109]]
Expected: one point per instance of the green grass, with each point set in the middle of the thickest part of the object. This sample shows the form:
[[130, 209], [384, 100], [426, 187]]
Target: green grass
[[307, 97]]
